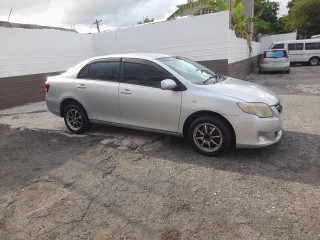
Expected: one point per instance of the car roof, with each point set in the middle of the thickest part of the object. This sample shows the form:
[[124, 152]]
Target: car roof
[[298, 41], [146, 56], [276, 49]]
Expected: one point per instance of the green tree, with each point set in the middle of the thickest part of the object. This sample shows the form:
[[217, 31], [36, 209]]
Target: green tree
[[267, 20], [304, 15], [239, 23], [146, 20], [207, 6]]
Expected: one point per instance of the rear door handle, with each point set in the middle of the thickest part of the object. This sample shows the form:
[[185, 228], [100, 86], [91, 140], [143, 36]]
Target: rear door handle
[[126, 92], [81, 86]]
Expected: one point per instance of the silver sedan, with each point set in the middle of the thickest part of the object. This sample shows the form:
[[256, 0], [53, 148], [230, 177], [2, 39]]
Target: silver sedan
[[171, 95]]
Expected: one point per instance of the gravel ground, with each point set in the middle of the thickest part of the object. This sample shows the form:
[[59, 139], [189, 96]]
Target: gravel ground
[[121, 184]]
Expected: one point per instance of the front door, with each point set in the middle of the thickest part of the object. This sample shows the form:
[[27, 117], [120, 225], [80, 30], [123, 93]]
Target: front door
[[142, 101]]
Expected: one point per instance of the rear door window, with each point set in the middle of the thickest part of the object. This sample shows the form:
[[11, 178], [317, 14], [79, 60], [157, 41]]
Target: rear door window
[[106, 70], [312, 46]]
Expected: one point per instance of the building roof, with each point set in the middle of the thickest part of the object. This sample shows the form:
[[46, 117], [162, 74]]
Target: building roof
[[32, 26]]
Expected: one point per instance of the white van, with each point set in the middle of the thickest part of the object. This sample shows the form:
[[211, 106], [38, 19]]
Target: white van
[[307, 51]]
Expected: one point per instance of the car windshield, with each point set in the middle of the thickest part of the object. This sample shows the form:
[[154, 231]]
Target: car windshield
[[191, 70], [275, 54]]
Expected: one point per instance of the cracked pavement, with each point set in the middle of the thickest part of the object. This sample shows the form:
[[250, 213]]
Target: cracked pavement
[[114, 183]]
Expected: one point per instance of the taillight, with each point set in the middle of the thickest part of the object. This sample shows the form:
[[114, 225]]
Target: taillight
[[46, 86], [286, 54]]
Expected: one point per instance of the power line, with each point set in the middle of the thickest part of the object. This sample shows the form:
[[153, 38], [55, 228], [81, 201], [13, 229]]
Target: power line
[[97, 23]]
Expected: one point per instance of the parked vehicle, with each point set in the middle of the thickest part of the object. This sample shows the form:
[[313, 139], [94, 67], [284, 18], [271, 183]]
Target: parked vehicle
[[301, 51], [172, 95], [274, 60]]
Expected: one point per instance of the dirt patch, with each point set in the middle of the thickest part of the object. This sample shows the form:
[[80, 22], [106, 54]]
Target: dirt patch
[[171, 234], [36, 197]]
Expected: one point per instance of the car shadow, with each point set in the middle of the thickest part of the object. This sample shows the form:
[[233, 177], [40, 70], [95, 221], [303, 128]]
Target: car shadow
[[295, 158]]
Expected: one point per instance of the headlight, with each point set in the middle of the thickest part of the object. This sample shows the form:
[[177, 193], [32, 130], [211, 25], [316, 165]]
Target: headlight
[[261, 110]]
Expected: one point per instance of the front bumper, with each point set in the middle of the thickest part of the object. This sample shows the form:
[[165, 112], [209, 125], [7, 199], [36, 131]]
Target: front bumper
[[254, 132]]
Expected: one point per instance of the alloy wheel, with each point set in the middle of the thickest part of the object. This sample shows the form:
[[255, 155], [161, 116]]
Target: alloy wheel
[[207, 137], [74, 119]]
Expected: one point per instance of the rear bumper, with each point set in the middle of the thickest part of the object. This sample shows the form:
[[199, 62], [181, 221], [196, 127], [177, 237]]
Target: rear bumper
[[274, 67], [53, 105]]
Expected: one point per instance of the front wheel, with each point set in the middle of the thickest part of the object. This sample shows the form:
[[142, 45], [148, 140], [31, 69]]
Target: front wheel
[[314, 61], [75, 118], [209, 136]]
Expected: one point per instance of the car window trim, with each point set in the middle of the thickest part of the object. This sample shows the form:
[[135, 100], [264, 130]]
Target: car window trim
[[181, 86], [102, 60]]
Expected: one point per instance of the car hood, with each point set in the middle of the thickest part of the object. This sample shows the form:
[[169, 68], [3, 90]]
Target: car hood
[[245, 91]]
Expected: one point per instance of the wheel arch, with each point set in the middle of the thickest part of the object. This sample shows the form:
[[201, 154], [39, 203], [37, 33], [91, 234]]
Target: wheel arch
[[198, 114], [314, 57], [67, 102]]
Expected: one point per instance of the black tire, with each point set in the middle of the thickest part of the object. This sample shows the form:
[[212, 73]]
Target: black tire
[[215, 134], [288, 71], [314, 61], [75, 118]]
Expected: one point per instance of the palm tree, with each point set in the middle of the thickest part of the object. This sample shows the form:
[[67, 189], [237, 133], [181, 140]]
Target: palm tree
[[204, 7], [238, 23]]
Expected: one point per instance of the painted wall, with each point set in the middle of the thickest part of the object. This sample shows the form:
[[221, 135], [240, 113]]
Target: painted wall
[[266, 41], [26, 51], [199, 38]]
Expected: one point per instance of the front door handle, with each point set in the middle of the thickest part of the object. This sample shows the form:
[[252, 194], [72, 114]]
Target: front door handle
[[81, 86], [126, 92]]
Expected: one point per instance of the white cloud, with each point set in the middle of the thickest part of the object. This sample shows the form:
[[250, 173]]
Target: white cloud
[[283, 7], [82, 13]]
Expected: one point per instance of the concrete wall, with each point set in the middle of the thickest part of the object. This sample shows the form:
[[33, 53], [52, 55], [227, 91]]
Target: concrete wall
[[266, 41], [206, 39], [25, 51], [199, 38]]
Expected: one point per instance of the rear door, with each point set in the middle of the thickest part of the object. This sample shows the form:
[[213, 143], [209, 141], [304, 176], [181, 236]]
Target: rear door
[[142, 101], [311, 50], [97, 89]]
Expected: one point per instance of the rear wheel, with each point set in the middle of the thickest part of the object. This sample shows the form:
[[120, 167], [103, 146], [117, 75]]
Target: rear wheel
[[76, 119], [288, 71], [209, 136], [314, 61]]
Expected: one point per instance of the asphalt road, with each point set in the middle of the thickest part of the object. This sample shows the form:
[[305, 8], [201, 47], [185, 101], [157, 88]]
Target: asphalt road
[[121, 184]]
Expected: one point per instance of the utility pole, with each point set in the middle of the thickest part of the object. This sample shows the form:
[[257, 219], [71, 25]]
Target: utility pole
[[97, 23], [9, 14]]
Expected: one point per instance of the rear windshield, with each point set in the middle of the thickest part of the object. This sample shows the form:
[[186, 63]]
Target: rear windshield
[[274, 54]]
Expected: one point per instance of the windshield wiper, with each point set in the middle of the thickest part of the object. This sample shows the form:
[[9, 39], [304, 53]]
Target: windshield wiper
[[216, 76]]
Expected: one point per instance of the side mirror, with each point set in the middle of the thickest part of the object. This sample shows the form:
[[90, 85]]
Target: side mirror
[[168, 84]]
